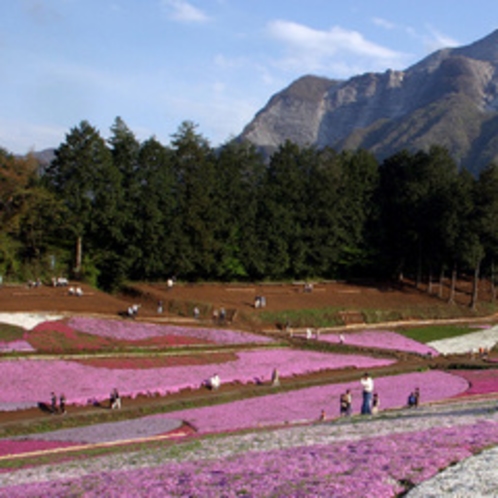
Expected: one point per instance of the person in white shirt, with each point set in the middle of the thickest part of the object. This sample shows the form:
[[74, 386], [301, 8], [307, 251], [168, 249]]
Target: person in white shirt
[[215, 382], [367, 385]]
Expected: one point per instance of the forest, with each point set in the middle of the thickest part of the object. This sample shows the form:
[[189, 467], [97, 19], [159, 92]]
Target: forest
[[117, 210]]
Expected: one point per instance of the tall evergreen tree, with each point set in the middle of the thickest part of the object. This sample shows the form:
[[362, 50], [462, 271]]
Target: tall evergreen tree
[[325, 230], [239, 172], [83, 175], [284, 213], [196, 217], [396, 199], [155, 211], [360, 180], [487, 212]]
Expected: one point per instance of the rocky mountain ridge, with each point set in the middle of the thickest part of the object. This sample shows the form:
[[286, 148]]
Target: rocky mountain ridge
[[450, 98]]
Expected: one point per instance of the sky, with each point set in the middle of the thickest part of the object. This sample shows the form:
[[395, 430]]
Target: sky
[[216, 63]]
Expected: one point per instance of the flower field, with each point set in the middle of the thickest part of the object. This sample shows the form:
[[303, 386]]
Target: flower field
[[20, 346], [27, 320], [284, 451], [380, 339], [480, 381], [134, 331], [486, 338], [28, 382], [372, 457], [59, 337]]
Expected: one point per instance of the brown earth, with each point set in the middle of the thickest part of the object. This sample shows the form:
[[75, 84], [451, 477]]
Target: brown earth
[[238, 299], [235, 298]]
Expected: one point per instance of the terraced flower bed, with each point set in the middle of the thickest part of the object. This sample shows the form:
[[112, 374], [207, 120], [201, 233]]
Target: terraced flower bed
[[59, 337], [372, 457], [380, 339], [483, 381], [305, 405], [134, 331], [285, 451], [28, 382], [486, 338]]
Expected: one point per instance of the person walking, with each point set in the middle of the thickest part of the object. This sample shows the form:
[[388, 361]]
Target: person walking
[[343, 405], [367, 385], [53, 401], [375, 403], [62, 403], [349, 403], [115, 400]]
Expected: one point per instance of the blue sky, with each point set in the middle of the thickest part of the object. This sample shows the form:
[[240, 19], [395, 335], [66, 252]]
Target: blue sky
[[156, 63]]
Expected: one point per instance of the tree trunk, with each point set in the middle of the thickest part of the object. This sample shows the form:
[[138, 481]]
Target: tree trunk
[[429, 283], [451, 299], [441, 281], [419, 275], [493, 286], [79, 252], [475, 286]]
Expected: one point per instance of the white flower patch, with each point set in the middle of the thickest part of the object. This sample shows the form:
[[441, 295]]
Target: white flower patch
[[475, 476], [27, 321], [467, 343]]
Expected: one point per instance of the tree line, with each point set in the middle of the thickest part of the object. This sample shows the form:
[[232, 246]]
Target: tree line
[[108, 211]]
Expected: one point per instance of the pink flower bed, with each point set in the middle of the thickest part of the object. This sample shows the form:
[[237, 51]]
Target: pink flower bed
[[375, 467], [31, 381], [19, 345], [306, 404], [57, 336], [11, 447], [298, 406], [481, 381], [382, 340], [133, 331]]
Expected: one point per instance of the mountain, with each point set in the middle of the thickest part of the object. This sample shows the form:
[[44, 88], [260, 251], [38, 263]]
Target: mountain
[[450, 98], [45, 156]]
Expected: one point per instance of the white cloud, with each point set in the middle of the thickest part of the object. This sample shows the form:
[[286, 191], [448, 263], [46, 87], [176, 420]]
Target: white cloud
[[311, 50], [336, 39], [383, 23], [180, 10], [432, 40], [437, 40]]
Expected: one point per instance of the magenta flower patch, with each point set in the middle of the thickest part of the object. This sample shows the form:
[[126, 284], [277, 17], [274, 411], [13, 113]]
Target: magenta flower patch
[[481, 381], [305, 405], [19, 345], [380, 339], [31, 381], [373, 467], [14, 447], [133, 331]]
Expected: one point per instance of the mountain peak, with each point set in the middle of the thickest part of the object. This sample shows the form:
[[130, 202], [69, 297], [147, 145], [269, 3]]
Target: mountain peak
[[485, 49], [450, 99]]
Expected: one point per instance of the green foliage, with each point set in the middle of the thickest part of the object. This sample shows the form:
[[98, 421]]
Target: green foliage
[[10, 332], [319, 318], [435, 332], [120, 210]]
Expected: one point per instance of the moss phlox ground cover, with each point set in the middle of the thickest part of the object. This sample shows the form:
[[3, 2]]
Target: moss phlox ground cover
[[26, 381], [305, 405], [302, 406], [373, 458], [378, 456], [380, 339], [485, 338], [133, 331]]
